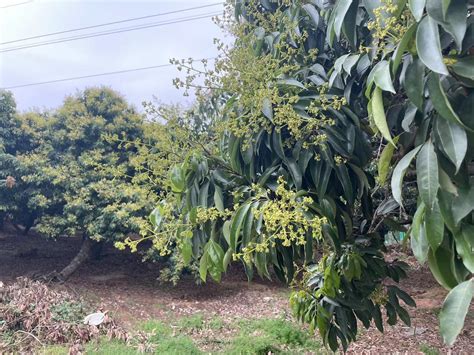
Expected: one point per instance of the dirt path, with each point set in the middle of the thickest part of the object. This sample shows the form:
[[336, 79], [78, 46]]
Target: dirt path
[[129, 289]]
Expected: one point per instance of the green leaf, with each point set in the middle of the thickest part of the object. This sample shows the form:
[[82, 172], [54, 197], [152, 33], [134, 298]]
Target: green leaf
[[402, 46], [417, 7], [427, 174], [382, 76], [295, 171], [446, 183], [218, 198], [342, 6], [453, 141], [419, 242], [378, 113], [236, 224], [465, 246], [177, 178], [414, 83], [384, 162], [399, 173], [349, 27], [434, 225], [441, 266], [440, 100], [464, 67], [455, 308], [429, 47], [267, 109], [313, 14], [291, 82], [203, 266], [187, 250]]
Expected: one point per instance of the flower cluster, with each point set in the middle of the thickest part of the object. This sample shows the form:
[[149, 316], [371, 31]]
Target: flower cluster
[[285, 218]]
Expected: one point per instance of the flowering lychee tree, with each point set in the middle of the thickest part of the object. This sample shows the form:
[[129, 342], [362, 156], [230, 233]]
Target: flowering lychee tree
[[309, 87]]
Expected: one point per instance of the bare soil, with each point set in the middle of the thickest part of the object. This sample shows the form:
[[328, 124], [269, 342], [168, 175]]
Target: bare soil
[[120, 283]]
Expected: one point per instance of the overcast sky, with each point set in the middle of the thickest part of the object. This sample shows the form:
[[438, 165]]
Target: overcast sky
[[126, 50]]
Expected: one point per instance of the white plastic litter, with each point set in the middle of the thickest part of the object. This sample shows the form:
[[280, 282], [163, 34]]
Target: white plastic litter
[[94, 318]]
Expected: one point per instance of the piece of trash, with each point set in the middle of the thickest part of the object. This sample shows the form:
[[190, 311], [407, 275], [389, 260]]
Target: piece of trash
[[94, 318]]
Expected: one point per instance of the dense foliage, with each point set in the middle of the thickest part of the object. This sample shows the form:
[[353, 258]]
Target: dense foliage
[[73, 169], [284, 162], [288, 184]]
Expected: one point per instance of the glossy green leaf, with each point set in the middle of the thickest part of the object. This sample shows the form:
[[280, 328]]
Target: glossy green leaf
[[291, 82], [236, 224], [446, 183], [177, 178], [440, 100], [399, 173], [441, 265], [414, 83], [219, 198], [267, 109], [378, 112], [419, 241], [384, 162], [434, 226], [402, 47], [452, 141], [429, 47], [455, 309], [464, 67], [427, 174], [313, 14], [465, 246], [417, 7], [382, 76]]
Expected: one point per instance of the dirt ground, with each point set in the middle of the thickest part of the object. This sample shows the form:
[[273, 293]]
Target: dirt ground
[[129, 289]]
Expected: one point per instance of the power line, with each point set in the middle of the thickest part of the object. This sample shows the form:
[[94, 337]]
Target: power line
[[100, 74], [109, 32], [109, 23], [12, 5]]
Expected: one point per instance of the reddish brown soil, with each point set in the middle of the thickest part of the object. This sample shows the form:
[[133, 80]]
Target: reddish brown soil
[[129, 289]]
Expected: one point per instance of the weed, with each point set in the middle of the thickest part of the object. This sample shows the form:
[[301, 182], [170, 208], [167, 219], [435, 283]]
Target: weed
[[109, 347], [177, 345], [216, 323], [194, 322], [258, 345], [428, 350], [262, 336], [55, 350], [68, 311], [155, 326]]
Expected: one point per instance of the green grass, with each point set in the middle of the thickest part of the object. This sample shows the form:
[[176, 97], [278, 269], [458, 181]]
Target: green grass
[[257, 336], [271, 335], [177, 345], [216, 323], [428, 350], [55, 350], [194, 322], [109, 347]]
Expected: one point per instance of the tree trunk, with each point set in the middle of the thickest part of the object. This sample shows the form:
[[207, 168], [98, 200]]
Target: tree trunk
[[83, 255]]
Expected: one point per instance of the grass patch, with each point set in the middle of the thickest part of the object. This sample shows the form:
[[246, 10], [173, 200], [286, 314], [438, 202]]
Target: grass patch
[[428, 350], [215, 323], [108, 347], [194, 322], [155, 326], [271, 335], [177, 345], [55, 350]]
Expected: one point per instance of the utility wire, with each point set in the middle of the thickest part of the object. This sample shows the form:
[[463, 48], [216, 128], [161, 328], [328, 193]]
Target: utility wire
[[12, 5], [109, 32], [109, 23], [100, 74]]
